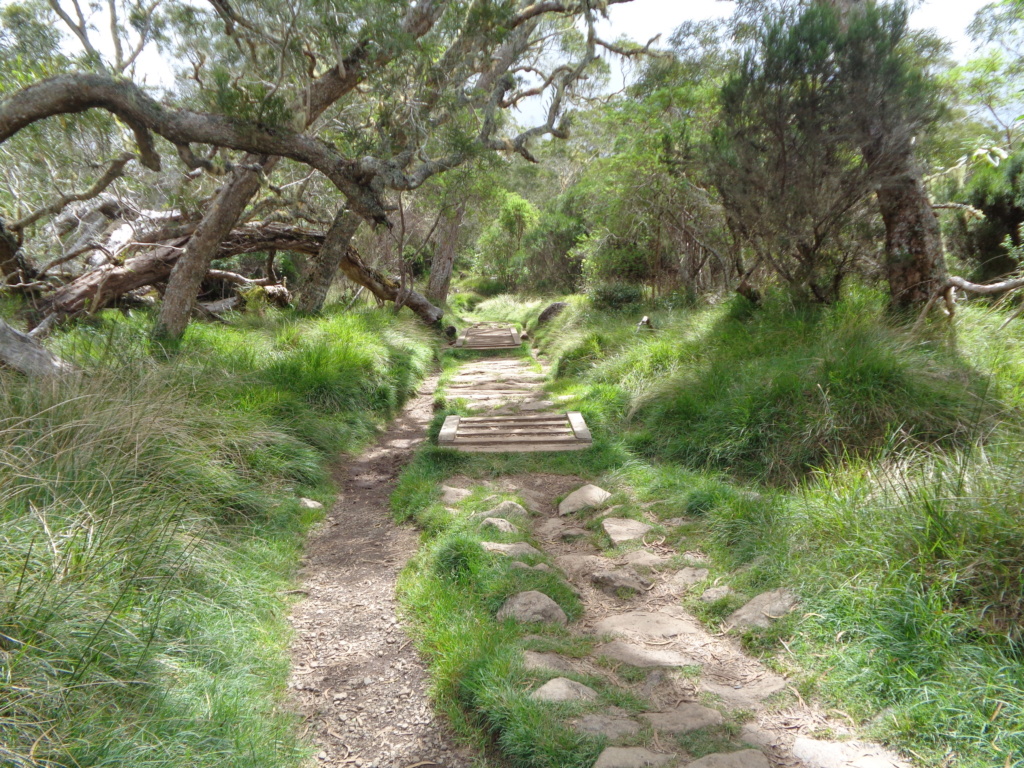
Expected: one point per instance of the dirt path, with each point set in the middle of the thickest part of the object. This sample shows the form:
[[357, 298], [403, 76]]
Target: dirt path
[[356, 678]]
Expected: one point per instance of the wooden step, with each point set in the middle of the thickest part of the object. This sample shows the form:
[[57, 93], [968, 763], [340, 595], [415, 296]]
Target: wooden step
[[516, 434], [485, 336]]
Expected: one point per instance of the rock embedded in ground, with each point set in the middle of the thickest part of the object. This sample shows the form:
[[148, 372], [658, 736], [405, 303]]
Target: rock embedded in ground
[[571, 534], [763, 610], [684, 718], [850, 754], [646, 624], [516, 549], [582, 498], [631, 757], [612, 727], [309, 503], [505, 509], [551, 311], [532, 606], [622, 529], [716, 593], [563, 689], [499, 524], [450, 495], [577, 566], [685, 578], [636, 656], [644, 559], [546, 661], [518, 564], [745, 758], [620, 578]]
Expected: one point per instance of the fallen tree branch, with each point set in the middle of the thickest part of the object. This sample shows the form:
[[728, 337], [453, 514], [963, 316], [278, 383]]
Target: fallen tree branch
[[23, 353]]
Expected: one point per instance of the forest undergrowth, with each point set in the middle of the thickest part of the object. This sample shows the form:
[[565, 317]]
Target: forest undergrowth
[[874, 470], [151, 524]]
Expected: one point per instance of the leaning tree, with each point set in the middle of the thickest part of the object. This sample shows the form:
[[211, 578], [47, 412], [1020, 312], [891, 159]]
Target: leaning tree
[[377, 97]]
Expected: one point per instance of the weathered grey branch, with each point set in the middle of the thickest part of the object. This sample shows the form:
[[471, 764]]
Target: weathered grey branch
[[23, 353]]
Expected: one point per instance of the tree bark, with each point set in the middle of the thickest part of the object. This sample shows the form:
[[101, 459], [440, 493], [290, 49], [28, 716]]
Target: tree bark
[[385, 288], [12, 260], [313, 292], [915, 265], [189, 270], [444, 258], [23, 353]]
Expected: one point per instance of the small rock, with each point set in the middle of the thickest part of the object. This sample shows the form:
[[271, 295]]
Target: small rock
[[506, 509], [620, 578], [763, 610], [309, 503], [519, 565], [498, 523], [636, 656], [532, 606], [610, 726], [571, 534], [645, 624], [674, 522], [451, 495], [581, 498], [745, 758], [682, 580], [549, 661], [516, 549], [716, 593], [550, 312], [563, 689], [684, 718], [645, 559], [630, 757], [621, 529]]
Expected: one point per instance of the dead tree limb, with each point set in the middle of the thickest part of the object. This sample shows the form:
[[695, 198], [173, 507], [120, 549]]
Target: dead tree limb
[[23, 353]]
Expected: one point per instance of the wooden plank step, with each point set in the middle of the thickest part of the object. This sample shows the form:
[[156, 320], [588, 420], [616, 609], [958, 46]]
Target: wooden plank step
[[516, 434]]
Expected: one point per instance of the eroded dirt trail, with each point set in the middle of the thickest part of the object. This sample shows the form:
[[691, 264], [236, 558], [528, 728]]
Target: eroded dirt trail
[[356, 678]]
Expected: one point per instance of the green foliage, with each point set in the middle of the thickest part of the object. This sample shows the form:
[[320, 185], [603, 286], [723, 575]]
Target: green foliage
[[500, 246], [616, 296], [150, 519]]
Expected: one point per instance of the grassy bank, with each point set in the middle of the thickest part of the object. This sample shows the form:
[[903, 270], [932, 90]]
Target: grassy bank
[[151, 524], [875, 471]]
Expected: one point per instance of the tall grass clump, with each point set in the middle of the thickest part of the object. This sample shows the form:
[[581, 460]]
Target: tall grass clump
[[150, 528]]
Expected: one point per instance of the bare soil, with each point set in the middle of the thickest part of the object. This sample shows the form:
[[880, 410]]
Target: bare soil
[[356, 679]]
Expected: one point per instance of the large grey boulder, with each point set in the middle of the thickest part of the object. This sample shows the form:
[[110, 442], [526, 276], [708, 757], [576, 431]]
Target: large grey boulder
[[563, 689], [551, 311], [532, 606], [631, 757], [582, 498], [684, 718], [516, 549], [763, 610], [745, 758], [622, 529]]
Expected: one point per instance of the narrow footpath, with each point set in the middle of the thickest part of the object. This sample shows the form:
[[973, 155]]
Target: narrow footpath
[[356, 678], [362, 689]]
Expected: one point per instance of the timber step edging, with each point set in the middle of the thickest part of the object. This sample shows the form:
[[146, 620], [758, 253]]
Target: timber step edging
[[516, 434]]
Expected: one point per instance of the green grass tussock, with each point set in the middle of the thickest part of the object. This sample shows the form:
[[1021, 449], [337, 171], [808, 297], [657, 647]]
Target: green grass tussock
[[150, 528], [451, 592], [874, 470]]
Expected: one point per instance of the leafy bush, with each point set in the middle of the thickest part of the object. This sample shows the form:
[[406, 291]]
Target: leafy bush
[[616, 296]]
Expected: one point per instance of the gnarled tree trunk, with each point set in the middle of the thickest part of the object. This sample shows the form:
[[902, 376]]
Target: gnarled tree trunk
[[444, 258], [313, 292], [915, 265], [217, 223]]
